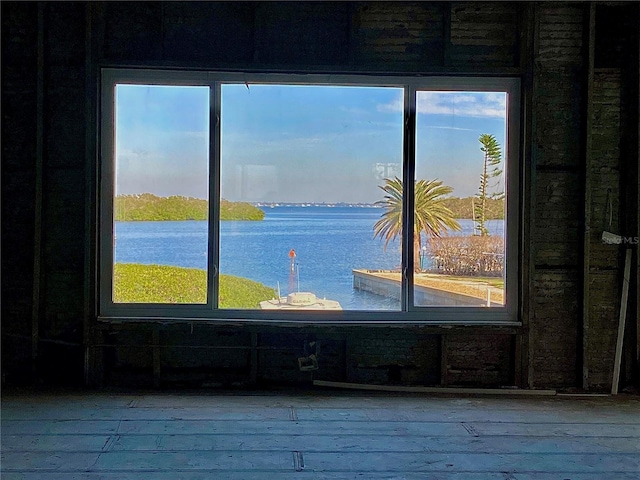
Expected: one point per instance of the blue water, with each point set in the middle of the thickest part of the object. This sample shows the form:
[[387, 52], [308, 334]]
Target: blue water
[[329, 243]]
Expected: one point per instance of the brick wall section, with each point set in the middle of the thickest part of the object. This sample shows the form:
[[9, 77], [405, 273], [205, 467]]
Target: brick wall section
[[188, 364], [133, 31], [560, 35], [558, 76], [192, 356], [557, 311], [278, 360], [310, 33], [483, 34], [603, 328], [63, 194], [332, 356], [560, 102], [392, 35], [394, 357], [128, 360], [478, 360], [604, 260], [558, 201], [226, 26], [19, 123]]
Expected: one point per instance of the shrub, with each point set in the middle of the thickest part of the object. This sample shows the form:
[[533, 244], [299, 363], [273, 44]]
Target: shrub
[[475, 255]]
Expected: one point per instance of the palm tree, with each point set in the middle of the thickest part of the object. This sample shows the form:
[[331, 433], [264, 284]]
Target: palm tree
[[431, 215]]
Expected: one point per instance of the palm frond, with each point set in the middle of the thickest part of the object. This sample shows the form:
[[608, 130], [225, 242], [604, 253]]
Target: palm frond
[[431, 215]]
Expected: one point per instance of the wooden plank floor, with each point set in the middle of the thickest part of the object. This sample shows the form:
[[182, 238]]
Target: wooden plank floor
[[321, 435]]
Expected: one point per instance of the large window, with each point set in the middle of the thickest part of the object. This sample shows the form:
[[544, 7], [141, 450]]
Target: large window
[[271, 197]]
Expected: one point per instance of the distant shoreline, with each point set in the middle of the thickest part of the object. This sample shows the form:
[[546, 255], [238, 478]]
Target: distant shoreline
[[462, 208], [314, 204]]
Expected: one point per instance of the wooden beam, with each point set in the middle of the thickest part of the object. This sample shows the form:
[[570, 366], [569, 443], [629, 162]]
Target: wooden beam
[[89, 200], [417, 389], [637, 311], [524, 373], [621, 322], [587, 195], [529, 162], [38, 219]]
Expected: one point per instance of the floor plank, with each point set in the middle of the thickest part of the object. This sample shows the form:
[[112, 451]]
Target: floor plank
[[77, 436]]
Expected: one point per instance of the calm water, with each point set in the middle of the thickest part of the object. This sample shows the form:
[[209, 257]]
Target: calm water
[[329, 243]]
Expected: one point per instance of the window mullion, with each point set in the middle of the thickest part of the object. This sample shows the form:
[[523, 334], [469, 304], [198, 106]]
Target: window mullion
[[107, 193], [408, 196], [214, 197]]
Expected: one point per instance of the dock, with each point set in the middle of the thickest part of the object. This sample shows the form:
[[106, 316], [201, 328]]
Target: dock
[[430, 289]]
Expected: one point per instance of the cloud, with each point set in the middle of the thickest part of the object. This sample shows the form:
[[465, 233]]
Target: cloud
[[490, 104], [374, 124], [288, 144], [125, 156], [394, 106], [317, 143], [468, 104], [355, 110], [201, 135], [450, 128]]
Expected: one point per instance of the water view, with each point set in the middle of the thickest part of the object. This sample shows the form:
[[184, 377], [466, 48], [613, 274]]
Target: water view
[[329, 243], [315, 159]]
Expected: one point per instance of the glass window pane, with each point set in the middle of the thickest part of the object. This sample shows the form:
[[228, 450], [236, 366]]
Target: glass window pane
[[302, 168], [459, 247], [161, 194]]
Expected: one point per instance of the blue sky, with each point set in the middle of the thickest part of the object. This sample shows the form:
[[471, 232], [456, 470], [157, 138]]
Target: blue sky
[[297, 143]]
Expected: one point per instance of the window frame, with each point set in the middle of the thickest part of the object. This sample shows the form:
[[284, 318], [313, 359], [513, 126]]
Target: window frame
[[408, 314]]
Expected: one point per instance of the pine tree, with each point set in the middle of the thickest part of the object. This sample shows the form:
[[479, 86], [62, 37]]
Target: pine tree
[[491, 169]]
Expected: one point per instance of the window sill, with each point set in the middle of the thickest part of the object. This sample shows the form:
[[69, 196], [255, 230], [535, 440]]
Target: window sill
[[306, 322]]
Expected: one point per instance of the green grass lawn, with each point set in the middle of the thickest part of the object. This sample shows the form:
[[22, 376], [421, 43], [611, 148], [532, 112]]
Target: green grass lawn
[[493, 281], [135, 283]]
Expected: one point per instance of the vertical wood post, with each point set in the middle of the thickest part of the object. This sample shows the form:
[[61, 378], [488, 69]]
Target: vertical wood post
[[89, 179], [530, 88], [37, 234], [637, 68], [529, 29], [587, 196]]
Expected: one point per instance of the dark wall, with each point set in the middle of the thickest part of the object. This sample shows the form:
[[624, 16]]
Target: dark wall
[[580, 131]]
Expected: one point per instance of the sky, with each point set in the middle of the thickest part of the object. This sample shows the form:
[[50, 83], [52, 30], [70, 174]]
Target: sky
[[298, 143]]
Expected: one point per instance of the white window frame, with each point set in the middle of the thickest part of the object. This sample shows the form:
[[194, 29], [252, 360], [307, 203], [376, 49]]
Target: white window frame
[[409, 314]]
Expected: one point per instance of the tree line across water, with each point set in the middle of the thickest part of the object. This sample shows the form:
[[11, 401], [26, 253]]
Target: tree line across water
[[149, 207]]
